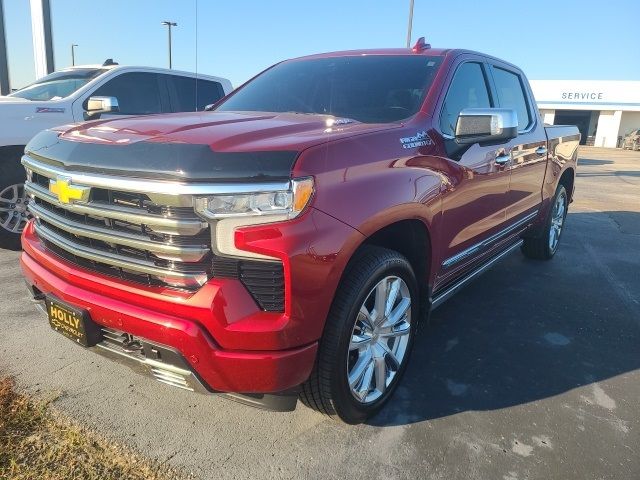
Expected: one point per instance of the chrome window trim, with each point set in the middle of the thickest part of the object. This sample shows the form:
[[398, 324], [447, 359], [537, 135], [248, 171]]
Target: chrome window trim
[[164, 187], [458, 257]]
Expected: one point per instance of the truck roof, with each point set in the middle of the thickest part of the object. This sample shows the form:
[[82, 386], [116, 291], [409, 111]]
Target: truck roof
[[378, 51], [430, 52], [144, 69]]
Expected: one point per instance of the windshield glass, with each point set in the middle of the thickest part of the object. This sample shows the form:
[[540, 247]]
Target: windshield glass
[[58, 84], [367, 88]]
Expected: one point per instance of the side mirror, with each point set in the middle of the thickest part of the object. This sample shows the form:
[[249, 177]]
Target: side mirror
[[486, 125], [96, 106]]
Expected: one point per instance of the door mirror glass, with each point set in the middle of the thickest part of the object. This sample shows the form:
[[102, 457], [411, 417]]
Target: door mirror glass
[[96, 106], [486, 125]]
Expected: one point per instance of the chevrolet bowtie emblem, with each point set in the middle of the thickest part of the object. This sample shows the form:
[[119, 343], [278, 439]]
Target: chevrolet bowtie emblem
[[66, 192]]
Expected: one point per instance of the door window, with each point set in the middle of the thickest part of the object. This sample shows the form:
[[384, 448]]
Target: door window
[[468, 89], [183, 93], [138, 93], [511, 95]]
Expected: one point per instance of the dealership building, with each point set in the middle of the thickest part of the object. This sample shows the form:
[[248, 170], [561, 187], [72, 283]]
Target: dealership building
[[604, 111]]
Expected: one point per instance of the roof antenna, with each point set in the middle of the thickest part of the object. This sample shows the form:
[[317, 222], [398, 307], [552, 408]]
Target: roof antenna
[[109, 62], [421, 45]]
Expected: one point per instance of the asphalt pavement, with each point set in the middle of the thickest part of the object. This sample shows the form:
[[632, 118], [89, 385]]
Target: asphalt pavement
[[531, 372]]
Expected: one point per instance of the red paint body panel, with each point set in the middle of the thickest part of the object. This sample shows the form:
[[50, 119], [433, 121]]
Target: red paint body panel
[[159, 318], [365, 180]]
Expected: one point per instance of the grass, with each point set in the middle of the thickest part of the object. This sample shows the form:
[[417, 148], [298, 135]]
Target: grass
[[37, 443]]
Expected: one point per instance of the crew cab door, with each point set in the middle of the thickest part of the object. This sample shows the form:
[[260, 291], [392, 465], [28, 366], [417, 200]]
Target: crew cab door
[[528, 151], [474, 206]]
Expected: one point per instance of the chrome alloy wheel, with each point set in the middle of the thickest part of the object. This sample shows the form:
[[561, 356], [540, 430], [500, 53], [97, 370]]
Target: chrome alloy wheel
[[557, 220], [13, 208], [379, 339]]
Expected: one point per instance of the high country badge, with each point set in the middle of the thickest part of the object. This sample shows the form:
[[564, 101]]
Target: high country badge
[[420, 139]]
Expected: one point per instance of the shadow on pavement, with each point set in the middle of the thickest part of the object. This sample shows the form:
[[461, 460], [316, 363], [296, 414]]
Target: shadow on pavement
[[525, 331], [591, 162], [622, 173]]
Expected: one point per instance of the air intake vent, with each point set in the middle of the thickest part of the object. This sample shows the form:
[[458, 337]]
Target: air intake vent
[[263, 279]]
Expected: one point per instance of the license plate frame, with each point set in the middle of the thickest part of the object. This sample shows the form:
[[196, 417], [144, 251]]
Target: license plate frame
[[72, 322]]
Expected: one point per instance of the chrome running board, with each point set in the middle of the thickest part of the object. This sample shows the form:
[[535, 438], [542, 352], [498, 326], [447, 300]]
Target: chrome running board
[[440, 298]]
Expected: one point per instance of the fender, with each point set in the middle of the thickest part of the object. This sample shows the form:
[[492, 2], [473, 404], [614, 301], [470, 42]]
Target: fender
[[387, 185]]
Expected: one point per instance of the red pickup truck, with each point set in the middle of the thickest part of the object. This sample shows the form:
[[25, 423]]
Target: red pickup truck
[[288, 243]]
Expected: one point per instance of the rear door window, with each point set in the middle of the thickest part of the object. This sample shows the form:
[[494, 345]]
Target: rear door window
[[188, 96], [208, 92], [511, 95], [468, 89]]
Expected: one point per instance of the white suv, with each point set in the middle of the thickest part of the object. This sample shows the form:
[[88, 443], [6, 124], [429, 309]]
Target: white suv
[[83, 93]]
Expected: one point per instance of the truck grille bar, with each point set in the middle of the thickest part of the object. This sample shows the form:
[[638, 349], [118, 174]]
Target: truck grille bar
[[157, 223], [160, 249], [148, 237]]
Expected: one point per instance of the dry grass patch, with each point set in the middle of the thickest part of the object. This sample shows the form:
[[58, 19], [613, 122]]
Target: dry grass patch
[[35, 443]]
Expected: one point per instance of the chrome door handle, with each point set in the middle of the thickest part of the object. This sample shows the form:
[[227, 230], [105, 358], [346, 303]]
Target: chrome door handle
[[541, 150], [503, 159]]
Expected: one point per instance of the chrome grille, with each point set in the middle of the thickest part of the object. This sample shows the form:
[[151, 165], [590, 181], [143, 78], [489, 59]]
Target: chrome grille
[[150, 237]]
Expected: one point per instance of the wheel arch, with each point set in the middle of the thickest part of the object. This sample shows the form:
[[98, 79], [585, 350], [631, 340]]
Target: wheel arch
[[10, 156], [567, 179], [12, 150], [410, 237]]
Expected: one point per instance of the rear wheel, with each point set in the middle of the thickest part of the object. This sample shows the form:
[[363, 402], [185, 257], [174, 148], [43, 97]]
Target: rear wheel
[[545, 246], [368, 337], [13, 201]]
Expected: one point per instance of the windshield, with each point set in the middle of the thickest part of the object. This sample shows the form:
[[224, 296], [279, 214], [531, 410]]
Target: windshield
[[58, 84], [367, 88]]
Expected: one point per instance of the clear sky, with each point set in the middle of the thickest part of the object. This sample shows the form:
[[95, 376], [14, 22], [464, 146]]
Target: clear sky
[[549, 39]]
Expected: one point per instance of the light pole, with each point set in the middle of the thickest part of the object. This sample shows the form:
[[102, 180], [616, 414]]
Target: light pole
[[410, 24], [169, 25], [73, 54]]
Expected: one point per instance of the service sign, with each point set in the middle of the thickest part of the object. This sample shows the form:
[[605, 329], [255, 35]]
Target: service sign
[[602, 94]]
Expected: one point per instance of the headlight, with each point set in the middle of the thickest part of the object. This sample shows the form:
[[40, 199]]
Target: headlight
[[281, 203], [227, 212]]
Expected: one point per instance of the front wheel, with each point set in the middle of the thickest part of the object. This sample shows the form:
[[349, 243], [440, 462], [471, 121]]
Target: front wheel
[[545, 246], [367, 339]]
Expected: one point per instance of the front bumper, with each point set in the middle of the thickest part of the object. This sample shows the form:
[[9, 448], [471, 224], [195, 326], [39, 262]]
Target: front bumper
[[173, 321]]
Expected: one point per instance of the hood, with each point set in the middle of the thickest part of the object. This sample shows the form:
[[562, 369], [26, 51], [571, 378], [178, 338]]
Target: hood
[[204, 146]]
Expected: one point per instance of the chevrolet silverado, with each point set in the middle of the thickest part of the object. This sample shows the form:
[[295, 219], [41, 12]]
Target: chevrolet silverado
[[287, 244]]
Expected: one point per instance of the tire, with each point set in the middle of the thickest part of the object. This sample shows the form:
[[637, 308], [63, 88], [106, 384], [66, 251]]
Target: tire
[[328, 389], [545, 246], [13, 214]]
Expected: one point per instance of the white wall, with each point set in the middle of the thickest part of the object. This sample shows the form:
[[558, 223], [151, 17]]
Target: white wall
[[548, 116], [630, 121], [608, 128]]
